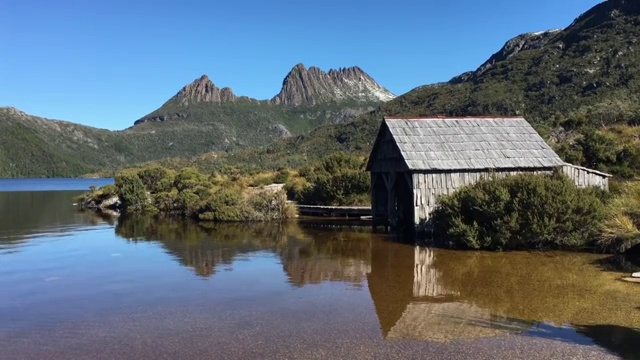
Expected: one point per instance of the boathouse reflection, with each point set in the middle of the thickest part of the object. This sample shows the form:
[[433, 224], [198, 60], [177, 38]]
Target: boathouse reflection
[[413, 302]]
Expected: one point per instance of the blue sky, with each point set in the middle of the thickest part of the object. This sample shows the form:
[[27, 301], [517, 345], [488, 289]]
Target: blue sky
[[107, 63]]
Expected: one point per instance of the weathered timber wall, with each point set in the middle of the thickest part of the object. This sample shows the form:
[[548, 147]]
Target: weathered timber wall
[[386, 156], [584, 177]]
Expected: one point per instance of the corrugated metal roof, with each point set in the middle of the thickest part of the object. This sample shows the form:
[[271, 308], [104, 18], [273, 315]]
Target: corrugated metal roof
[[471, 143]]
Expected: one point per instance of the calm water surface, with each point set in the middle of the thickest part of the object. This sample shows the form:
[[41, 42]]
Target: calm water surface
[[51, 184], [74, 285]]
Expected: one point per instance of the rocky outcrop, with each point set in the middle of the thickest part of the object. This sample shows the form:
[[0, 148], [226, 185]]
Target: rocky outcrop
[[528, 41], [281, 131], [204, 90], [161, 118], [108, 205], [313, 86], [523, 42]]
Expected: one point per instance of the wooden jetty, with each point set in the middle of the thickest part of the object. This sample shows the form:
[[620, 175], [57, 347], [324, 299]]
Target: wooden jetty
[[334, 211]]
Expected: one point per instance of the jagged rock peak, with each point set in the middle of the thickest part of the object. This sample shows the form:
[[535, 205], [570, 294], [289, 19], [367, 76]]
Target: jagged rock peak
[[313, 86], [204, 90]]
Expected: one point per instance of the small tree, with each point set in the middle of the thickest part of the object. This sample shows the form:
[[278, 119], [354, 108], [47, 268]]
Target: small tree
[[132, 193]]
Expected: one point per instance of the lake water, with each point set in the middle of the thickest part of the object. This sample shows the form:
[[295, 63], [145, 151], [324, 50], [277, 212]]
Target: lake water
[[74, 285], [51, 184]]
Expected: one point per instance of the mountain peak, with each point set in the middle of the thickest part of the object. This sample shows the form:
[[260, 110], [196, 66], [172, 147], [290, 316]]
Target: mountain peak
[[522, 42], [204, 90], [313, 86], [601, 18]]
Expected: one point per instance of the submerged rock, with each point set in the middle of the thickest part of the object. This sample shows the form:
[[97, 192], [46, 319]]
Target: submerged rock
[[635, 275]]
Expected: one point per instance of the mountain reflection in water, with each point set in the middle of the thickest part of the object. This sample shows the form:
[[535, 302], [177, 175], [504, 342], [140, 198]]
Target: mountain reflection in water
[[416, 293]]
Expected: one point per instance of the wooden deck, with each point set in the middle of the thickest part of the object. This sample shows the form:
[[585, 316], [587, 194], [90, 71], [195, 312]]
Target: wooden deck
[[334, 211]]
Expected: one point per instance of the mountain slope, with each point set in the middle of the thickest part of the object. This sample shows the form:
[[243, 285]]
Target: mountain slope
[[579, 86], [31, 146], [201, 117]]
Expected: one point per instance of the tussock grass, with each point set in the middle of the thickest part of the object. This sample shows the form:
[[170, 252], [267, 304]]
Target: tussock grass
[[621, 231]]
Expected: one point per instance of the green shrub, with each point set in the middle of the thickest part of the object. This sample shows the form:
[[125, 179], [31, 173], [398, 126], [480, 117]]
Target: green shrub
[[95, 196], [167, 201], [222, 205], [189, 194], [188, 203], [520, 212], [132, 193], [108, 190], [157, 179], [190, 178], [339, 179], [282, 176]]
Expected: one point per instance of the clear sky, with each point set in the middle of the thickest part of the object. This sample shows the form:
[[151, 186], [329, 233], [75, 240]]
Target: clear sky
[[107, 63]]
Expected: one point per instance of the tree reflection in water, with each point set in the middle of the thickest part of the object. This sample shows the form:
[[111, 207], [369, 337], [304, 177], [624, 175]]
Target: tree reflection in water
[[423, 293], [309, 255]]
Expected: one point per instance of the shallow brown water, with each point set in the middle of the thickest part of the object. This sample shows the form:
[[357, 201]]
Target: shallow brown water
[[76, 286]]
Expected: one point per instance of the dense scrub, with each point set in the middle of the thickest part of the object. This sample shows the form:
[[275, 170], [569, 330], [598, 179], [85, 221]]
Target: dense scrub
[[520, 212], [338, 179], [189, 193]]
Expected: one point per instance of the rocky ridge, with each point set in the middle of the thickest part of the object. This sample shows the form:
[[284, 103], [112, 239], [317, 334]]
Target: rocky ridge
[[514, 46], [313, 86], [351, 91], [204, 90]]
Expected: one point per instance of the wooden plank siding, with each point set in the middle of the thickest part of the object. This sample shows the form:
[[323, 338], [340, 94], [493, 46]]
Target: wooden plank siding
[[584, 177], [386, 156]]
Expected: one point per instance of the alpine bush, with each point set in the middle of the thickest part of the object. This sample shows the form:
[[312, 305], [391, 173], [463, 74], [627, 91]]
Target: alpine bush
[[520, 212], [132, 193]]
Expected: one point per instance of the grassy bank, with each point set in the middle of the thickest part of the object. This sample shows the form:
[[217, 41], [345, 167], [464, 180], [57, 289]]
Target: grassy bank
[[620, 231], [188, 193]]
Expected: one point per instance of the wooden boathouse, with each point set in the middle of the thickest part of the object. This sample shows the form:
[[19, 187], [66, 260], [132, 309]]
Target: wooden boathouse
[[416, 160]]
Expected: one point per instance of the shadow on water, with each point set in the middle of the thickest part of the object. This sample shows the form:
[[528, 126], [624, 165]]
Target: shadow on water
[[620, 263], [623, 341]]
